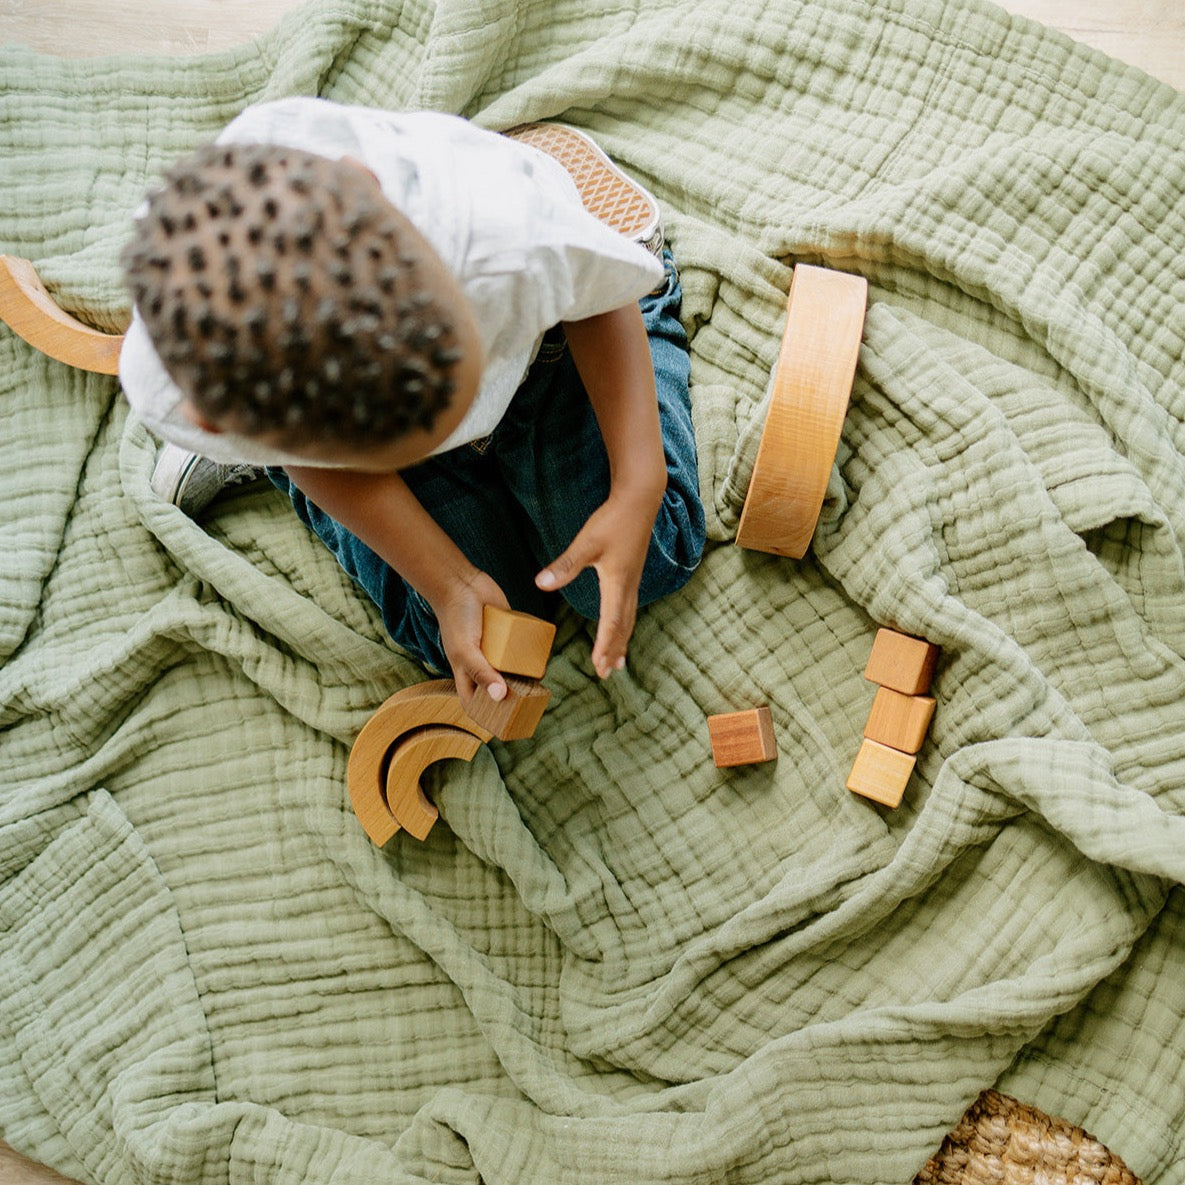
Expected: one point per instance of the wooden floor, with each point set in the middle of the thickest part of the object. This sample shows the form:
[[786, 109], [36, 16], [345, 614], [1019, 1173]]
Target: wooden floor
[[1147, 33]]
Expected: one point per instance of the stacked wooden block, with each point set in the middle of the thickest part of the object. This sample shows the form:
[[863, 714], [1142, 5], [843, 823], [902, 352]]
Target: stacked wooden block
[[517, 645], [425, 723], [903, 668]]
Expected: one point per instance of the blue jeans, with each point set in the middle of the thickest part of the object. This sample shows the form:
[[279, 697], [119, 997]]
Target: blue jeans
[[515, 500]]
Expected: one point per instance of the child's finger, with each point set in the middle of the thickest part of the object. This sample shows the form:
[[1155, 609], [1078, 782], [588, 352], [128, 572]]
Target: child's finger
[[614, 629], [475, 672], [565, 567]]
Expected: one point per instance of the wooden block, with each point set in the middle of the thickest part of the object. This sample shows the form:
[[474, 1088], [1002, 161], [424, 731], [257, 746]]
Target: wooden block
[[899, 721], [516, 643], [30, 312], [881, 773], [518, 715], [742, 738], [808, 402], [902, 663], [406, 763]]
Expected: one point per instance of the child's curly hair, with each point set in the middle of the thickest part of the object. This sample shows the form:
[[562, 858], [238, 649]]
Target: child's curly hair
[[282, 295]]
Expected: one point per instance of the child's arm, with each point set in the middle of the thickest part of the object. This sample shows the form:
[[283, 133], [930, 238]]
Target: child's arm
[[381, 510], [612, 354]]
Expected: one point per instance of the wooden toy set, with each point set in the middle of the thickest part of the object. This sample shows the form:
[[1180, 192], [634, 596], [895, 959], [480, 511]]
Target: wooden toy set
[[808, 402], [903, 668], [809, 397]]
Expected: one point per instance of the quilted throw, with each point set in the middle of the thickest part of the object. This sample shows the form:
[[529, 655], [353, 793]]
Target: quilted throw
[[611, 961]]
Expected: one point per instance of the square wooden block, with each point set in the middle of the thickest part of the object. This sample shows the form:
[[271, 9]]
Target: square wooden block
[[881, 773], [517, 716], [899, 721], [742, 738], [903, 663], [516, 643]]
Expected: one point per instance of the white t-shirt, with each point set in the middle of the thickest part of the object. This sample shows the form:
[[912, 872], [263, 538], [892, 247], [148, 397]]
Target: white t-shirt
[[505, 218]]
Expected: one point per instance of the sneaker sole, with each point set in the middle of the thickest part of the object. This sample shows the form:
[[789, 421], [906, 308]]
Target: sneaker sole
[[607, 193], [174, 467]]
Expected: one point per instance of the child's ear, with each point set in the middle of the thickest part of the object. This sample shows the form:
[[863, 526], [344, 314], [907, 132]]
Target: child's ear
[[195, 417], [357, 164]]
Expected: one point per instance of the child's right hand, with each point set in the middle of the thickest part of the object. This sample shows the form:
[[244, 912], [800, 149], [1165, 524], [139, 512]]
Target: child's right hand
[[459, 613]]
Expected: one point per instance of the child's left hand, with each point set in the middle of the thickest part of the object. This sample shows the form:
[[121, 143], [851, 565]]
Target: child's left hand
[[613, 542]]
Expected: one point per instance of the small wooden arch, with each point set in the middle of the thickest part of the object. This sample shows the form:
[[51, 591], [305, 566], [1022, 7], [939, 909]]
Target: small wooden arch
[[31, 313]]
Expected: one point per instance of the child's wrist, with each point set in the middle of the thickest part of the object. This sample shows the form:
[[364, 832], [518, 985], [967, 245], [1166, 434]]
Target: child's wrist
[[640, 489]]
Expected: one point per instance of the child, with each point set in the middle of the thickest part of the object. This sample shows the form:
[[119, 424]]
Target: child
[[472, 390]]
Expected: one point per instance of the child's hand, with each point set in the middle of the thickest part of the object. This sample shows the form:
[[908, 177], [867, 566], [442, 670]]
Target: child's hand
[[459, 612], [614, 542]]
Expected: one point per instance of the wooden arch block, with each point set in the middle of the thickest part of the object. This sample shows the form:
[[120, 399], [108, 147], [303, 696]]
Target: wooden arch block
[[374, 795], [31, 313], [516, 643], [406, 763], [811, 388]]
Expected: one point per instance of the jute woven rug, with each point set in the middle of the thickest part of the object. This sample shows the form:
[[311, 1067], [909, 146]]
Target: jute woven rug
[[1001, 1141]]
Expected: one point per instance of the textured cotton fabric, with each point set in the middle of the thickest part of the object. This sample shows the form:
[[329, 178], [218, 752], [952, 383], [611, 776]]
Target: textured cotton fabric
[[506, 220], [612, 962]]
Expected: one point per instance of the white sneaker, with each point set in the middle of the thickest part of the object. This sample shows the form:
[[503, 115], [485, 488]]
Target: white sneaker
[[192, 482], [607, 193]]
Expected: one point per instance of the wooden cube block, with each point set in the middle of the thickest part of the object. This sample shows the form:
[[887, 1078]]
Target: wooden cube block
[[903, 663], [899, 721], [742, 738], [881, 773], [517, 716], [516, 643]]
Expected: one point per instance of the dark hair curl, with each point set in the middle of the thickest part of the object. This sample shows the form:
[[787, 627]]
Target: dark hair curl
[[283, 295]]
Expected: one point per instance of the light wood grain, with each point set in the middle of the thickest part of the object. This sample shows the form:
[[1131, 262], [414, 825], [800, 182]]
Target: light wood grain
[[904, 663], [516, 717], [899, 721], [1146, 33], [408, 760], [807, 405], [516, 643], [30, 312], [742, 738], [881, 774], [97, 28]]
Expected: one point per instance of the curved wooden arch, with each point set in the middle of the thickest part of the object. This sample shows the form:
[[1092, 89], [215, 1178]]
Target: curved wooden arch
[[410, 807], [31, 313], [812, 384], [378, 797]]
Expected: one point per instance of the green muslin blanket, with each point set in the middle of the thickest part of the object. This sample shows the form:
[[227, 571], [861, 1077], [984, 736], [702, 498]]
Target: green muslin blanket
[[612, 962]]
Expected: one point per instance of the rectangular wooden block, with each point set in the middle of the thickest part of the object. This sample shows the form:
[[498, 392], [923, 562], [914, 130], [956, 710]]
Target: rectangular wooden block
[[742, 738], [517, 716], [881, 773], [516, 643], [903, 663], [899, 721]]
